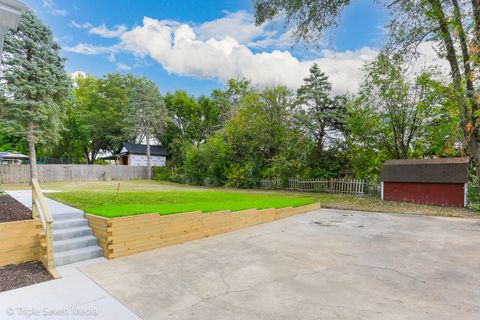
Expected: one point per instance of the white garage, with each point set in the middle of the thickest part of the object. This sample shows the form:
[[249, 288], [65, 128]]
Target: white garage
[[134, 154]]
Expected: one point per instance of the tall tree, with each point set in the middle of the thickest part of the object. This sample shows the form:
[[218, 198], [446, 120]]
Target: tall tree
[[101, 116], [34, 83], [403, 104], [191, 121], [150, 114], [323, 115]]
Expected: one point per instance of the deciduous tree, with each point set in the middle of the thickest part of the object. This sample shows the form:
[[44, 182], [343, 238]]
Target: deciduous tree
[[149, 114]]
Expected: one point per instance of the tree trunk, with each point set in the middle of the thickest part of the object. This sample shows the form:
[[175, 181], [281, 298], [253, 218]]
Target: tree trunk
[[33, 155], [467, 115], [320, 137], [149, 159]]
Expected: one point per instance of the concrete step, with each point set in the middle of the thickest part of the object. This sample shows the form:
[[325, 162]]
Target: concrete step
[[67, 215], [74, 243], [69, 223], [64, 234], [71, 256]]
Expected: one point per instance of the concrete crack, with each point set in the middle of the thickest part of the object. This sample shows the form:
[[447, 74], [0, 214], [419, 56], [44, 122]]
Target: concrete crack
[[390, 269]]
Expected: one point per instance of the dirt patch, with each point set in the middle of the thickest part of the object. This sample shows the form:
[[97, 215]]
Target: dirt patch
[[12, 210], [25, 274]]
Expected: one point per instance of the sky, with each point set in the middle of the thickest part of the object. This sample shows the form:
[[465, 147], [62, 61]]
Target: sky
[[198, 45]]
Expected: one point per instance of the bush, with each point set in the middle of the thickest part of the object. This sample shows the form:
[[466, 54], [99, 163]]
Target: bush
[[208, 163], [239, 176], [162, 173]]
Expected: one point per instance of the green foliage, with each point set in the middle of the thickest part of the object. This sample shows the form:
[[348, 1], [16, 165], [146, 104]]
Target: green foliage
[[310, 17], [148, 107], [162, 173], [401, 115], [240, 176], [190, 122], [208, 163], [101, 116], [12, 143]]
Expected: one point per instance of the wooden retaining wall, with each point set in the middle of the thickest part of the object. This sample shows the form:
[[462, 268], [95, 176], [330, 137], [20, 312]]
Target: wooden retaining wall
[[19, 241], [133, 234], [20, 173]]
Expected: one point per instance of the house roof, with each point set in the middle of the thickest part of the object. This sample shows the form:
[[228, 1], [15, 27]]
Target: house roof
[[13, 156], [441, 170], [134, 148]]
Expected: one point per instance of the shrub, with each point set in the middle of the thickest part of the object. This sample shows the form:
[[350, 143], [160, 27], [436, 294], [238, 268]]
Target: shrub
[[162, 173], [208, 163], [239, 176]]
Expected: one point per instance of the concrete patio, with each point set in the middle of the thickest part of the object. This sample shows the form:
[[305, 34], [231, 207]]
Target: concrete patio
[[73, 296], [320, 265]]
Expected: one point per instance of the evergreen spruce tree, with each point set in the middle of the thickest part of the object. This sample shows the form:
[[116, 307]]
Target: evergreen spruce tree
[[323, 114], [34, 85]]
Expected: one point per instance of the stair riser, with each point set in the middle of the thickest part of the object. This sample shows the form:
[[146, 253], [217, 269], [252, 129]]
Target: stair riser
[[72, 234], [67, 224], [60, 261], [75, 245]]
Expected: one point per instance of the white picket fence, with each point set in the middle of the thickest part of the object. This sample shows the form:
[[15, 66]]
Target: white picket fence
[[16, 173], [338, 186]]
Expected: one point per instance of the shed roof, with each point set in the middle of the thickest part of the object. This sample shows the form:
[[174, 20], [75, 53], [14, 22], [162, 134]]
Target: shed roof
[[440, 170], [135, 148]]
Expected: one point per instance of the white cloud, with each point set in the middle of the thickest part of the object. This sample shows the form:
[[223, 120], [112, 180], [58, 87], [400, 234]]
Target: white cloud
[[86, 25], [89, 49], [179, 51], [123, 66], [101, 30], [285, 40], [232, 47], [111, 57], [105, 32], [239, 25], [51, 8], [59, 12]]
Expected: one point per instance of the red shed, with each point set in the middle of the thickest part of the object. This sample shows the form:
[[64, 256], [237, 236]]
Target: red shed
[[441, 182]]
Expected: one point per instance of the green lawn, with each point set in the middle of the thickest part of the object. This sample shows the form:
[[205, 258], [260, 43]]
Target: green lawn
[[109, 204], [141, 196]]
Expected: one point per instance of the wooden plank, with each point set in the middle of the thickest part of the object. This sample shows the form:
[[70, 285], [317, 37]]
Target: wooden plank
[[19, 241]]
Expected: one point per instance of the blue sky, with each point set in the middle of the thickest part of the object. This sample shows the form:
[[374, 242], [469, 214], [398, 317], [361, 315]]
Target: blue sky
[[197, 45]]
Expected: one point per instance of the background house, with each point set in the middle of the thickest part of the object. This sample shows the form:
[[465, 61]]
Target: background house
[[133, 154], [441, 181], [12, 158]]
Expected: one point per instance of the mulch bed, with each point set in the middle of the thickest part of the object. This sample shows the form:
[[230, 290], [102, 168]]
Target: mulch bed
[[12, 210], [25, 274]]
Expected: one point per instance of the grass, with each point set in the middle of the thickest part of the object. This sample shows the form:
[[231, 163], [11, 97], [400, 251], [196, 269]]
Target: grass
[[106, 190], [109, 204]]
